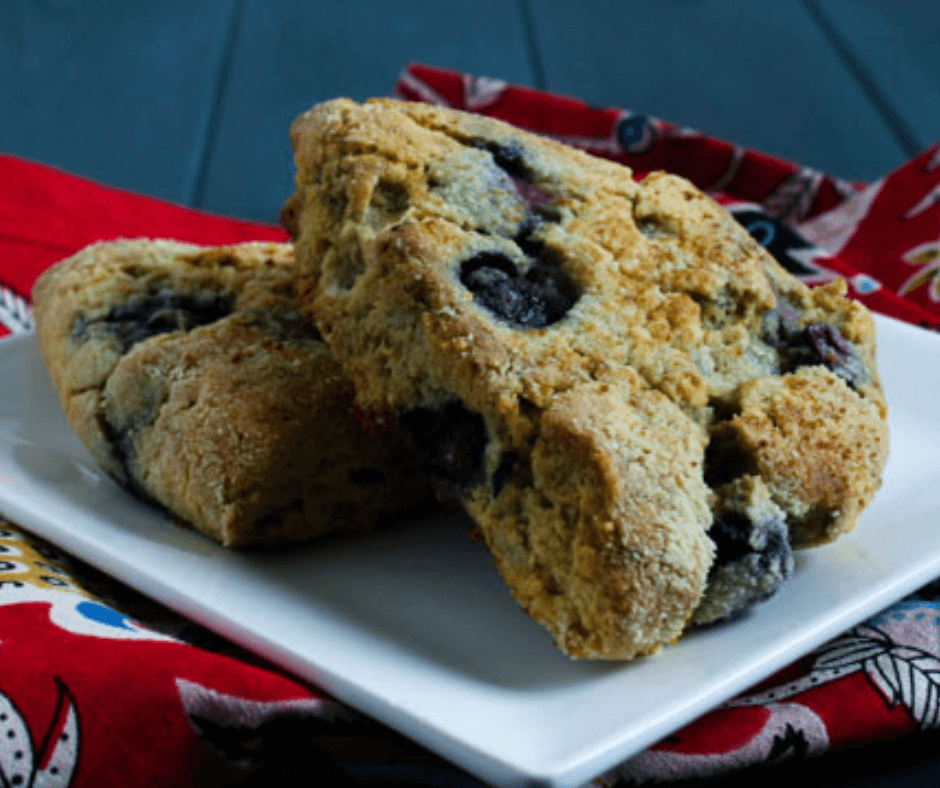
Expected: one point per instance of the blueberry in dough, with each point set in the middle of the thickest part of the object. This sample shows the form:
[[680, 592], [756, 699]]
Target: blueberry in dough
[[817, 343], [825, 344], [753, 557], [509, 157], [451, 441], [156, 312], [535, 298]]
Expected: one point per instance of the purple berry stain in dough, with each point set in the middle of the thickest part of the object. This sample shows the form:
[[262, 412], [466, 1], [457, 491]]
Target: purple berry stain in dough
[[157, 312]]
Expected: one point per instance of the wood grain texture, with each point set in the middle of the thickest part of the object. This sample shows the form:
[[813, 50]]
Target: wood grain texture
[[119, 92], [893, 49], [759, 74], [293, 53]]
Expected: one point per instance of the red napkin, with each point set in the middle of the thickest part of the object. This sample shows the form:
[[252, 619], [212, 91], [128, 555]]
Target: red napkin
[[86, 690], [46, 215]]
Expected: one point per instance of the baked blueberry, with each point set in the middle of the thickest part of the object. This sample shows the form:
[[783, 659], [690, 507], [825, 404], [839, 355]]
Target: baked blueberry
[[753, 557], [451, 441], [156, 312], [824, 344], [534, 298], [508, 156], [817, 343]]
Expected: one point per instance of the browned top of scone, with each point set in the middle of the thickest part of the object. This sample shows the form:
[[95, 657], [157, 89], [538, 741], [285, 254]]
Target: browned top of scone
[[665, 281], [120, 293], [656, 265], [445, 254], [190, 374]]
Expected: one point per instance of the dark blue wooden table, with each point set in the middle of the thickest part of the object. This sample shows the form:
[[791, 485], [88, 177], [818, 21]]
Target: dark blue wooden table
[[190, 100]]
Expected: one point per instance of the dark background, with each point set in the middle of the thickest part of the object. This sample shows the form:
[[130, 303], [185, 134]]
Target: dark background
[[190, 100]]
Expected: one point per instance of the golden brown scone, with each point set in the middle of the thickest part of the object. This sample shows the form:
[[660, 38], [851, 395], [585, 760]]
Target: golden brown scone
[[637, 405], [192, 378]]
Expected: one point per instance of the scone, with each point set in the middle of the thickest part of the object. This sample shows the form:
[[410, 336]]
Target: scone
[[637, 405], [190, 375]]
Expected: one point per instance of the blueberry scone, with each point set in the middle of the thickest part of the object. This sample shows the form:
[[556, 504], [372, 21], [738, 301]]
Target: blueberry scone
[[190, 375], [640, 409]]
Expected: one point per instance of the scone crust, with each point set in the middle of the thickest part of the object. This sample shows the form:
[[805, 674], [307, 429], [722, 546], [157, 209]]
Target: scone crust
[[677, 321], [240, 424]]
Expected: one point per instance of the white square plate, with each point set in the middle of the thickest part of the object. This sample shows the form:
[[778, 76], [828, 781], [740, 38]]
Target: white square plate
[[413, 626]]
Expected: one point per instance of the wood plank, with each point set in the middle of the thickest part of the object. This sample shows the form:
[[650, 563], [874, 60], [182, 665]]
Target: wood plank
[[893, 45], [293, 53], [760, 74], [119, 92]]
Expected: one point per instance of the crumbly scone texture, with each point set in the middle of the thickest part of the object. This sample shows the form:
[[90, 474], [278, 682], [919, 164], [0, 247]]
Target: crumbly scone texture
[[634, 361], [191, 376]]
